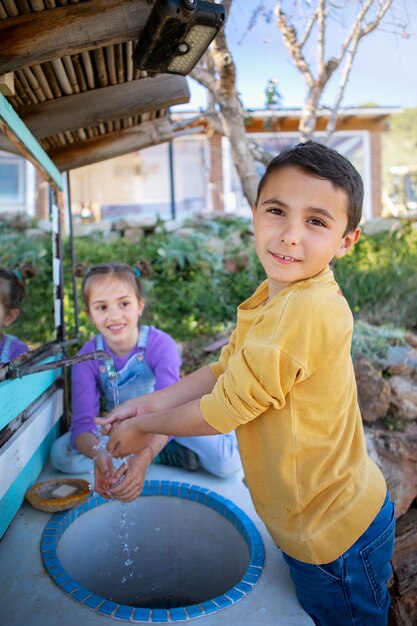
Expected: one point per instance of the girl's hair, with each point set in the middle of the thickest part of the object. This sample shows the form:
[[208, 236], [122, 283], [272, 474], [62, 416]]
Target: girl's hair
[[127, 273], [12, 284]]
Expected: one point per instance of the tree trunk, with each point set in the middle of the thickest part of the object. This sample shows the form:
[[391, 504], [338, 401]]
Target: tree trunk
[[309, 114]]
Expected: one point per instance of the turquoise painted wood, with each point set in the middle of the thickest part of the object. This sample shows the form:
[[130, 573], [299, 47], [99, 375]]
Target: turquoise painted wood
[[17, 394], [22, 132], [13, 498]]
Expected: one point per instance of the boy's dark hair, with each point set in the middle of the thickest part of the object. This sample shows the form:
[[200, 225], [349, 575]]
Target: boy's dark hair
[[322, 162]]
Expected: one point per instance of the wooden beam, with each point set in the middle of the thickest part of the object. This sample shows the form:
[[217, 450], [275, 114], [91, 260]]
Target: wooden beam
[[105, 104], [41, 36], [7, 84], [16, 131], [115, 144]]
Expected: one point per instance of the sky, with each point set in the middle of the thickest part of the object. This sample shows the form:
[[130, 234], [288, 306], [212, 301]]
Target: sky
[[384, 70]]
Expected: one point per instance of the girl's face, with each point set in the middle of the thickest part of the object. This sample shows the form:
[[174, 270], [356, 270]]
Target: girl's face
[[115, 309], [7, 317]]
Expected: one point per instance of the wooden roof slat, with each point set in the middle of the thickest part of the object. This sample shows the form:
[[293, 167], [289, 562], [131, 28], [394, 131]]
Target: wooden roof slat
[[119, 62], [101, 68], [78, 67], [50, 4], [10, 7], [37, 5], [23, 7], [40, 76], [53, 83], [111, 65], [3, 12], [32, 80], [129, 60], [88, 67], [72, 77], [26, 87], [37, 37], [61, 76], [105, 104]]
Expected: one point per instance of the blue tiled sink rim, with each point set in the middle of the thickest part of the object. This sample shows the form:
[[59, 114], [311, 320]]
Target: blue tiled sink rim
[[59, 522]]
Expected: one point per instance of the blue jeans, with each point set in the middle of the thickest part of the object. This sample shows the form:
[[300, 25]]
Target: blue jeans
[[352, 590]]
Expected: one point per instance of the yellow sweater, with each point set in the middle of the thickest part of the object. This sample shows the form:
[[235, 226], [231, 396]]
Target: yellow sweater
[[286, 382]]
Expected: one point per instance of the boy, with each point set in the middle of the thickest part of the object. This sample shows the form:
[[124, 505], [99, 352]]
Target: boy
[[285, 381]]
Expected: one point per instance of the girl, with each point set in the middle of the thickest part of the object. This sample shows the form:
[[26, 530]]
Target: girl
[[145, 359], [12, 290]]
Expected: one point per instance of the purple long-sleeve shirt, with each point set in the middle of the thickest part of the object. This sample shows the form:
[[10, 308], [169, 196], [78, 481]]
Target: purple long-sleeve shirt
[[161, 355], [16, 348]]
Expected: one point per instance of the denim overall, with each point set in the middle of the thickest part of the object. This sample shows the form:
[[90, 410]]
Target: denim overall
[[135, 379], [4, 356]]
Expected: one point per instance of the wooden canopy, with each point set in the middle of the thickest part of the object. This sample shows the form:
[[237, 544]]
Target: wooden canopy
[[66, 68]]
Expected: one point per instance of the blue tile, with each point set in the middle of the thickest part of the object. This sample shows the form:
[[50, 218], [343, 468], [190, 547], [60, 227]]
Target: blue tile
[[51, 561], [222, 601], [243, 587], [209, 607], [146, 488], [71, 586], [155, 487], [124, 612], [61, 579], [141, 615], [234, 595], [107, 608], [175, 488], [184, 490], [177, 615], [159, 615], [165, 487], [250, 579], [194, 610], [81, 594], [93, 602]]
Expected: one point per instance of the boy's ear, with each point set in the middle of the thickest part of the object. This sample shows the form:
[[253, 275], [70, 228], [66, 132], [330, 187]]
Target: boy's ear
[[11, 316], [348, 242]]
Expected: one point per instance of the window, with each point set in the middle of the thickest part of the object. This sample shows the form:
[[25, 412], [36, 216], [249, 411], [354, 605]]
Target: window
[[12, 180]]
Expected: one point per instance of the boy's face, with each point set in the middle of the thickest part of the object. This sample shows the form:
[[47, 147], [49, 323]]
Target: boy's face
[[299, 225]]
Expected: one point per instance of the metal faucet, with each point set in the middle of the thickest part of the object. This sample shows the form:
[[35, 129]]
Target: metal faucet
[[18, 371]]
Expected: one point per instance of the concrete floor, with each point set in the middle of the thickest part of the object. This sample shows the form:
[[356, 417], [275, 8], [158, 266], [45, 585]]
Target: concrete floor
[[29, 597]]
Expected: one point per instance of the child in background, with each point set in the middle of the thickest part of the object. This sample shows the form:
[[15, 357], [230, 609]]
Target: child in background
[[145, 359], [286, 382], [12, 291]]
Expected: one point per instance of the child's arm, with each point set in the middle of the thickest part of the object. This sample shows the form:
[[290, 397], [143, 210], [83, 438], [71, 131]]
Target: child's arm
[[192, 387], [130, 436]]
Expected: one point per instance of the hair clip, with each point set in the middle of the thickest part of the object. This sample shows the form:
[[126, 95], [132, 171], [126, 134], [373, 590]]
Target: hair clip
[[18, 275], [136, 270]]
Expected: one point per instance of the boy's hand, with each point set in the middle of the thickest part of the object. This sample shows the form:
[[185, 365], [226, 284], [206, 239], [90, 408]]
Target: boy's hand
[[130, 408], [127, 438]]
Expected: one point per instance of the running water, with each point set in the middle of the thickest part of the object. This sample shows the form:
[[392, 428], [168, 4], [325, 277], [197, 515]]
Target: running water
[[102, 449]]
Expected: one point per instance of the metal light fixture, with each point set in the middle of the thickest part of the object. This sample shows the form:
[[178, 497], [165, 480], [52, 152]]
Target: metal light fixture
[[176, 35]]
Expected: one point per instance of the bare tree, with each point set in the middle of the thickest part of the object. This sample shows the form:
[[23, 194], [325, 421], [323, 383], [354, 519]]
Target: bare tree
[[316, 23], [217, 72]]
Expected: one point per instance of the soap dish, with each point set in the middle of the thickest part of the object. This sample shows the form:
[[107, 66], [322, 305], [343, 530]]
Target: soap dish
[[59, 494]]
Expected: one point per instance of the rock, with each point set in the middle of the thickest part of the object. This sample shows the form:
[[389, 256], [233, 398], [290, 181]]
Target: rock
[[404, 591], [411, 339], [86, 229], [403, 397], [132, 234], [18, 219], [395, 452], [374, 392], [145, 222]]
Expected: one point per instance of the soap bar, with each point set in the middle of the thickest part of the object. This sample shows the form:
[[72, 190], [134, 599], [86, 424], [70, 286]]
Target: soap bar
[[63, 491]]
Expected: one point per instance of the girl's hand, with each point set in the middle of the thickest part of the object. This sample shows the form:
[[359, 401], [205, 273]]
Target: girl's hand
[[130, 479], [103, 472], [130, 408], [127, 438]]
